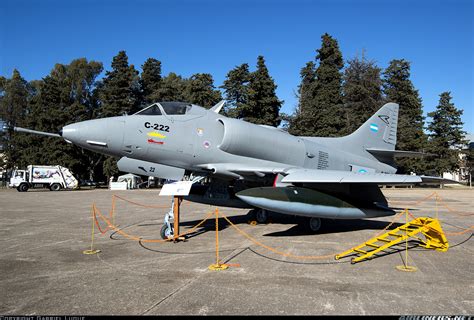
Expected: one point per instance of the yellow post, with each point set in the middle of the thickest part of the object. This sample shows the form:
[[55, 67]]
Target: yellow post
[[217, 266], [406, 267], [92, 251]]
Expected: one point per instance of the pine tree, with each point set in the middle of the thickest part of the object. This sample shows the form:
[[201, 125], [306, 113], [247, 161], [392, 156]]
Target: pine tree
[[65, 96], [150, 81], [328, 96], [14, 109], [362, 87], [320, 110], [446, 137], [398, 88], [200, 90], [301, 121], [263, 106], [110, 168], [236, 89], [119, 91], [171, 88]]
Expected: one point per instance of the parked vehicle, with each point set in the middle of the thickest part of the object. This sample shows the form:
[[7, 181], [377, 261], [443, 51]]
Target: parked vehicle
[[37, 176]]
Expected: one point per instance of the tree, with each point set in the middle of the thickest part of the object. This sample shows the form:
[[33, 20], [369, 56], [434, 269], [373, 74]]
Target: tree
[[200, 90], [263, 106], [398, 88], [236, 89], [150, 81], [319, 112], [14, 109], [171, 88], [65, 96], [301, 122], [110, 167], [120, 88], [446, 137], [362, 87]]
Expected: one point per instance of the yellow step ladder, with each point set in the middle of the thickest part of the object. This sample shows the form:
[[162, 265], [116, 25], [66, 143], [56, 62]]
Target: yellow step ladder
[[429, 227]]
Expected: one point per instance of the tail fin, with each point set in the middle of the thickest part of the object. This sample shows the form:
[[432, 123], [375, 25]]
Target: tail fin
[[380, 131]]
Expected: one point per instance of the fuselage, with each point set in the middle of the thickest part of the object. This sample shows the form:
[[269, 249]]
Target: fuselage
[[196, 139]]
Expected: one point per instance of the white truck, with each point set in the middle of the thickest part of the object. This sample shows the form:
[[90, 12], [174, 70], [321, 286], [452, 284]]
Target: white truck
[[53, 177]]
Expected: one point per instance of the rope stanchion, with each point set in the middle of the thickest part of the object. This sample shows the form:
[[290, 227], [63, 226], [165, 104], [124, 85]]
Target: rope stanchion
[[218, 266], [405, 267], [92, 250]]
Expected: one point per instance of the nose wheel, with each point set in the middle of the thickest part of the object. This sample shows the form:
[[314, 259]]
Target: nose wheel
[[166, 232]]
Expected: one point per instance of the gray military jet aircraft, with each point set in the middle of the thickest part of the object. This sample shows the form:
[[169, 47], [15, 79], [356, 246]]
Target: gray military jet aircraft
[[255, 166]]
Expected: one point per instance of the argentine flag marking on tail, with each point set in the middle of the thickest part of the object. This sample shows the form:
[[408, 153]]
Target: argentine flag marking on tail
[[374, 127]]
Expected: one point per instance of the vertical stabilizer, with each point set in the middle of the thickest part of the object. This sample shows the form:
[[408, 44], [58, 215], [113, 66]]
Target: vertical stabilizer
[[380, 131]]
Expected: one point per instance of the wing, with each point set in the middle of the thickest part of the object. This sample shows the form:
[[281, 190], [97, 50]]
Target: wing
[[292, 175], [334, 176]]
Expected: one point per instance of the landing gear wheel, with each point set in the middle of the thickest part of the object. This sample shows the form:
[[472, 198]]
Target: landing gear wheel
[[261, 215], [166, 233], [22, 187], [314, 224], [55, 187]]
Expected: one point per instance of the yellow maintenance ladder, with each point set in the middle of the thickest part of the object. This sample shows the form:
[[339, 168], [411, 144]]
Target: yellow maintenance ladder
[[429, 227]]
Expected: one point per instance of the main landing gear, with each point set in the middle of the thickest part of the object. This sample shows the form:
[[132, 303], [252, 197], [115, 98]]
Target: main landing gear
[[260, 215]]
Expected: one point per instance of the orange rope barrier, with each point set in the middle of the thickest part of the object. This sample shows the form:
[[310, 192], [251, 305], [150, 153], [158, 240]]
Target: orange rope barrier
[[119, 231]]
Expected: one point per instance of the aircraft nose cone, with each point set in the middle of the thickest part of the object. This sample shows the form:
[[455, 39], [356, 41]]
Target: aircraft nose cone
[[101, 135], [72, 133]]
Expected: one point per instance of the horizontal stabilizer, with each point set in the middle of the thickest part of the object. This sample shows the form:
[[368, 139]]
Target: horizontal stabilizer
[[383, 153], [437, 180]]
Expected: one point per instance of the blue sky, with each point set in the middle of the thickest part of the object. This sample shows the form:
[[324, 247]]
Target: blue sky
[[214, 36]]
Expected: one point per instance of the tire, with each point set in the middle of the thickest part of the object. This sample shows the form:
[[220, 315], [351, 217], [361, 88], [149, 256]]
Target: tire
[[55, 187], [261, 215], [314, 224], [165, 232], [23, 187]]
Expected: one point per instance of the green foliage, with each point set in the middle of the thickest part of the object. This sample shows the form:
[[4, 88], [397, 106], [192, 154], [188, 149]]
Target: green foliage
[[150, 81], [200, 90], [252, 96], [236, 89], [301, 123], [66, 95], [398, 88], [319, 111], [171, 88], [119, 90], [263, 105], [446, 137], [110, 167], [14, 109], [362, 87]]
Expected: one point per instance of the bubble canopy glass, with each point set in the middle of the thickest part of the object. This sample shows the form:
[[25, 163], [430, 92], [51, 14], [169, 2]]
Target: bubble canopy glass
[[169, 108]]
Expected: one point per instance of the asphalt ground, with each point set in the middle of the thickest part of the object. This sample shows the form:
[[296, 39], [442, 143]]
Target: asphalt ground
[[43, 269]]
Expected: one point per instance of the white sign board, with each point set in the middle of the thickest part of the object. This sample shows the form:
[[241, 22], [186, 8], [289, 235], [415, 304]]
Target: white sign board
[[178, 188]]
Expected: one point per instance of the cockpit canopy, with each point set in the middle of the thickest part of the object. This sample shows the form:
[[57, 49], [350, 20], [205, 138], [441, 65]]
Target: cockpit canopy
[[168, 108]]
